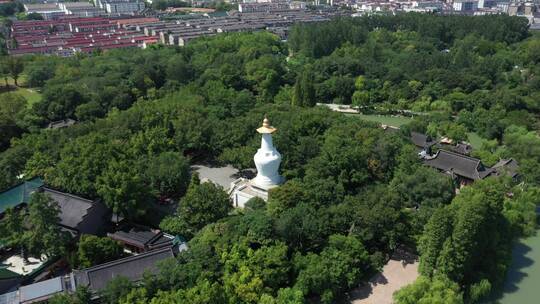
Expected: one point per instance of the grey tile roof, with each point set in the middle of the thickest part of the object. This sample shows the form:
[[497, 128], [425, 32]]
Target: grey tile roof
[[458, 164], [421, 140], [506, 166], [73, 208], [142, 237], [61, 123], [10, 298], [41, 290], [133, 268]]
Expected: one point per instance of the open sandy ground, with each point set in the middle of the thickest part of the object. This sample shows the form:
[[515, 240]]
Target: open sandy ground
[[398, 272]]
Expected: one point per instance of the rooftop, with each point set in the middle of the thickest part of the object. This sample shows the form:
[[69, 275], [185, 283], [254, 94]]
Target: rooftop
[[421, 140], [19, 194], [61, 123], [133, 268], [142, 237], [41, 290], [73, 208], [455, 163], [506, 166]]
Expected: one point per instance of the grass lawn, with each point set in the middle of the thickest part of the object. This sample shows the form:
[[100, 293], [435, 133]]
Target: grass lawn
[[21, 81], [395, 121], [475, 140], [30, 94]]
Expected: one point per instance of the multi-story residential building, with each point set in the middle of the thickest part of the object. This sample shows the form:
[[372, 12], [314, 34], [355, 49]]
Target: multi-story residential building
[[49, 11], [121, 7], [465, 5]]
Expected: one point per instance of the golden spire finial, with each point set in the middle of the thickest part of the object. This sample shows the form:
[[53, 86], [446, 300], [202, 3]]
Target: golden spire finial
[[266, 122], [266, 127]]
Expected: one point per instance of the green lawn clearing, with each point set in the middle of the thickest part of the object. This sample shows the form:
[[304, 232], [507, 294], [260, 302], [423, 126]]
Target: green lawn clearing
[[390, 120], [30, 94], [475, 140]]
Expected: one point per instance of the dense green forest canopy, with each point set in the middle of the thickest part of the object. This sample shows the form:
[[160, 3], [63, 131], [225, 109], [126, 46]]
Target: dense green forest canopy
[[354, 191]]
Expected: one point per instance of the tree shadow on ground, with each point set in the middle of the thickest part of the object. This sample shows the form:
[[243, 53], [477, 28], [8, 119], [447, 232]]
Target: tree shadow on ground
[[405, 255], [246, 173], [365, 290], [4, 89]]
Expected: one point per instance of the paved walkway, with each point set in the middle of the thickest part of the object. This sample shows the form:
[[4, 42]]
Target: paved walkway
[[398, 272], [222, 176]]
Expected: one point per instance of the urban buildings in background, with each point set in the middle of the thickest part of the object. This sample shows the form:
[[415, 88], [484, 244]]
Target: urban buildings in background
[[71, 27], [68, 34]]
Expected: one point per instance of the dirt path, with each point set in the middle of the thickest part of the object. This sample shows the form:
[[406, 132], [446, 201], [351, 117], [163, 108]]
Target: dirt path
[[398, 272]]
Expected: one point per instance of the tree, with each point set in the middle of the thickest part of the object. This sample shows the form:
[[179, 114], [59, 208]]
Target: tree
[[338, 267], [15, 67], [61, 101], [265, 74], [204, 292], [523, 145], [81, 296], [255, 204], [520, 210], [437, 230], [168, 174], [422, 191], [122, 188], [82, 162], [438, 290], [285, 296], [135, 296], [302, 227], [469, 240], [304, 90], [93, 250], [44, 235], [117, 288], [178, 69], [11, 106], [251, 273], [203, 204], [285, 197], [61, 298], [4, 72], [12, 229], [39, 71]]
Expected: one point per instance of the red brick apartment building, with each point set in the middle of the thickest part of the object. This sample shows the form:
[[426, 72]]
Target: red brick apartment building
[[68, 35]]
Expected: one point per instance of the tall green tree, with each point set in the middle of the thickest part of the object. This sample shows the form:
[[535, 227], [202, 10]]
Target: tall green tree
[[43, 235], [117, 288], [251, 273], [82, 295], [4, 72], [204, 292], [430, 291], [203, 204], [93, 250], [15, 67], [304, 89], [12, 228], [469, 240], [168, 174], [11, 107], [82, 162], [123, 189], [341, 265]]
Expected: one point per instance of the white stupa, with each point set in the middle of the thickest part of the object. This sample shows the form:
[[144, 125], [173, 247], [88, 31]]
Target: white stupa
[[267, 160]]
